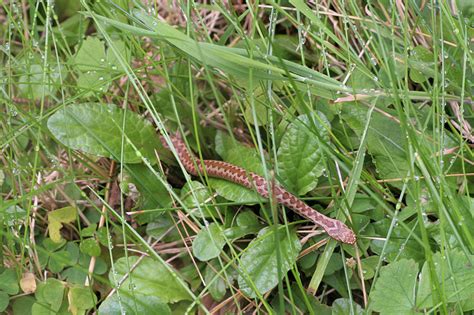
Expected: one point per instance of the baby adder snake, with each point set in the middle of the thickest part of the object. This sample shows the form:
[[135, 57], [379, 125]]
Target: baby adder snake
[[334, 228]]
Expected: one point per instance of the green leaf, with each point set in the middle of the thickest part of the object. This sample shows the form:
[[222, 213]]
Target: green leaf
[[209, 242], [90, 246], [89, 231], [37, 79], [247, 218], [247, 223], [394, 291], [153, 191], [455, 276], [78, 273], [160, 226], [259, 264], [12, 215], [134, 305], [95, 66], [112, 60], [216, 283], [369, 265], [345, 306], [300, 156], [55, 256], [421, 64], [148, 278], [81, 299], [385, 141], [9, 282], [94, 81], [22, 305], [50, 293], [4, 301], [56, 218], [400, 244], [91, 55], [194, 196], [301, 299], [97, 129], [224, 143], [261, 110], [41, 309]]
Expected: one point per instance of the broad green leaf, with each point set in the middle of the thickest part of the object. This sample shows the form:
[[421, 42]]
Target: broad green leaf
[[421, 64], [56, 218], [51, 293], [41, 309], [95, 65], [160, 226], [346, 306], [153, 192], [97, 129], [196, 196], [216, 283], [335, 264], [54, 255], [22, 305], [37, 79], [248, 159], [91, 55], [300, 156], [400, 244], [90, 246], [385, 141], [112, 60], [94, 81], [247, 218], [135, 304], [150, 278], [369, 265], [9, 282], [4, 301], [394, 291], [88, 231], [247, 223], [391, 167], [78, 273], [338, 281], [455, 276], [224, 143], [259, 264], [261, 110], [81, 299], [12, 215], [209, 242], [299, 303]]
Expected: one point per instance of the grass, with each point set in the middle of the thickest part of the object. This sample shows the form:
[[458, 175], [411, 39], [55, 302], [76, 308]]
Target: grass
[[364, 110]]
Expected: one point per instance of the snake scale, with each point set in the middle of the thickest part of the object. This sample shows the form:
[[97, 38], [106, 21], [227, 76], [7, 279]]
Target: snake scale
[[219, 169]]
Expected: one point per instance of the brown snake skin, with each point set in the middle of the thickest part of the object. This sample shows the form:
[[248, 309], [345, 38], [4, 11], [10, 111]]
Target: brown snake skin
[[334, 228]]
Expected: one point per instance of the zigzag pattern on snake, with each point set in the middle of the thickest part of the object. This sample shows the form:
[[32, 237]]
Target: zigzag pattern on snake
[[334, 228]]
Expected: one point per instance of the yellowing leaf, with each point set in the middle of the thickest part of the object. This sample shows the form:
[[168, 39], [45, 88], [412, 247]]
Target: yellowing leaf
[[28, 282], [80, 299], [56, 219]]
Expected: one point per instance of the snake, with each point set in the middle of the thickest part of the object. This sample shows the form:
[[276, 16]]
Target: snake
[[227, 171]]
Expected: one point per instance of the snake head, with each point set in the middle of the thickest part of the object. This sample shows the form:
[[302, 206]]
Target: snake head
[[342, 234]]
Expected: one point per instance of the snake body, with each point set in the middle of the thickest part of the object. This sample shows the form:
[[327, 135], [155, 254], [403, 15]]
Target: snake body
[[334, 228]]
